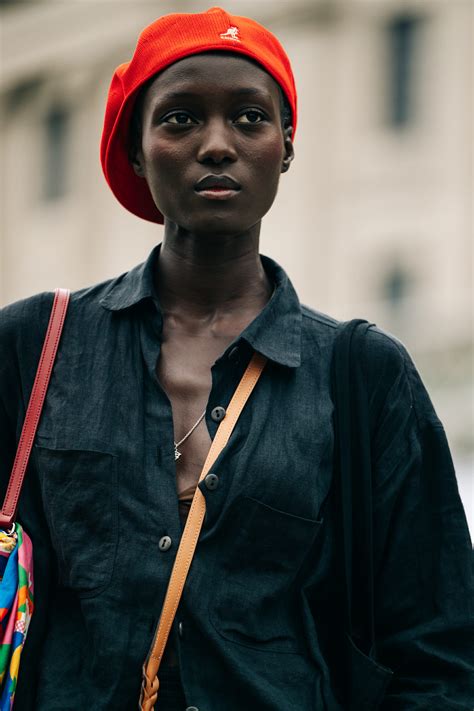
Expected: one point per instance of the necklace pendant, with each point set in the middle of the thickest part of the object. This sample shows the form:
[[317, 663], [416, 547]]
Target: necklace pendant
[[176, 453]]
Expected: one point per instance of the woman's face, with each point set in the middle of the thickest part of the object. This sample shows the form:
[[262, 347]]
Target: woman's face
[[215, 116]]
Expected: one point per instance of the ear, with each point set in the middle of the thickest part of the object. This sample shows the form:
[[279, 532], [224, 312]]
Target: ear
[[289, 149], [137, 164]]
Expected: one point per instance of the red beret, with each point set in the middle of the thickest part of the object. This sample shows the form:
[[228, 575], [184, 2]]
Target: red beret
[[166, 40]]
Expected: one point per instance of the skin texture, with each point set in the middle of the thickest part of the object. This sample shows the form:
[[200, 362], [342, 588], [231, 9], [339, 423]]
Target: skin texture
[[135, 136], [210, 280]]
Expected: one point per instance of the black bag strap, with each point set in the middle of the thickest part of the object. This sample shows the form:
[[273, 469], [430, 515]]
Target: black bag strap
[[353, 482]]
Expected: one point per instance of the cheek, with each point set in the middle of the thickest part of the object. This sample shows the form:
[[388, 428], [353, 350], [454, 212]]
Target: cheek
[[161, 159], [266, 158], [165, 166], [170, 167], [266, 152]]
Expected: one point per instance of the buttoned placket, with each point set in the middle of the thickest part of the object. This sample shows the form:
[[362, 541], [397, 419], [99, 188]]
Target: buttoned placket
[[163, 523], [225, 376]]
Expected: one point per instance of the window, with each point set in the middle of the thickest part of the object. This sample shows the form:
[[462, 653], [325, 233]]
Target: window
[[56, 138], [395, 286], [21, 95], [403, 35]]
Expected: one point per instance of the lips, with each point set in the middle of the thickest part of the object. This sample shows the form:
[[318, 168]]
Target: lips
[[217, 182]]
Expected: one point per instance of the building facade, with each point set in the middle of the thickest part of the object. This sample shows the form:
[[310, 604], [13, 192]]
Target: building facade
[[374, 219]]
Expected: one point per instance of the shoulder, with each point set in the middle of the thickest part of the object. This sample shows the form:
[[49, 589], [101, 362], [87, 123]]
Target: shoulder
[[23, 323], [392, 378], [318, 320], [318, 331], [30, 315], [380, 350], [390, 373], [92, 296], [22, 327], [24, 318], [384, 357]]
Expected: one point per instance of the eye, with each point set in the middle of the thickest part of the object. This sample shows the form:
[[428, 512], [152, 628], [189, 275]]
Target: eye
[[180, 118], [251, 116]]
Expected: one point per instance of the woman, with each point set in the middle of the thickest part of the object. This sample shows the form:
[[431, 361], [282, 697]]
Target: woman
[[199, 127]]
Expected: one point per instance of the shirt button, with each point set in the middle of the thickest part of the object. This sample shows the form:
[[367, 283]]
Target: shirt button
[[164, 543], [211, 482], [180, 629], [218, 414]]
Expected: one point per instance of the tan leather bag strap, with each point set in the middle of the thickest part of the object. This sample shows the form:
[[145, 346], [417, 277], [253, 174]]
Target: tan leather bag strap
[[189, 539]]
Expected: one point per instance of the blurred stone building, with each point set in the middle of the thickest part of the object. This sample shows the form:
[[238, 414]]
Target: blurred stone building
[[374, 219]]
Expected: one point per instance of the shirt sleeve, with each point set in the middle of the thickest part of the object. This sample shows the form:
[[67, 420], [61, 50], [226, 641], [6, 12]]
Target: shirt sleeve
[[423, 553], [11, 397], [22, 329]]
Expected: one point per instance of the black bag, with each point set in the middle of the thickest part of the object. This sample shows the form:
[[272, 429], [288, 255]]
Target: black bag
[[366, 679]]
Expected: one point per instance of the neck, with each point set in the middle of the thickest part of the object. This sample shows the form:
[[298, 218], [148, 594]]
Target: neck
[[207, 275]]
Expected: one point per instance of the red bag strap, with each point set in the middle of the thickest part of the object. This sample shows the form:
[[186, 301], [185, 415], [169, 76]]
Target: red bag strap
[[35, 406]]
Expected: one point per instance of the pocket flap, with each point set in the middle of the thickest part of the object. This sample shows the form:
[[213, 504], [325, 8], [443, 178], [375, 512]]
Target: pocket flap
[[367, 681]]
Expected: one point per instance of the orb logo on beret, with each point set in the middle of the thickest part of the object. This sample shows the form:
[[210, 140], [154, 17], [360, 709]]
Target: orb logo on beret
[[231, 34]]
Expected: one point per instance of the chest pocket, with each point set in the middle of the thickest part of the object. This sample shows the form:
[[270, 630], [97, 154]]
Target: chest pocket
[[256, 601], [80, 498]]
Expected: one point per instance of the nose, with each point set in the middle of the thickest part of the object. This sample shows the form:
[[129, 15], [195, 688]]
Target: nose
[[217, 143]]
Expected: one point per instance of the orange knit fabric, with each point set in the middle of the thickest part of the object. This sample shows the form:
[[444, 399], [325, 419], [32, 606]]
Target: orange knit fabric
[[166, 40]]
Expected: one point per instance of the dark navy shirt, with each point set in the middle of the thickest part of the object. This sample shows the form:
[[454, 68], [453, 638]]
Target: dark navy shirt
[[260, 626]]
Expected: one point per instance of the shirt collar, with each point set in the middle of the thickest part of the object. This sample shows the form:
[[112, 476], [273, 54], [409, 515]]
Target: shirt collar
[[133, 286], [275, 332]]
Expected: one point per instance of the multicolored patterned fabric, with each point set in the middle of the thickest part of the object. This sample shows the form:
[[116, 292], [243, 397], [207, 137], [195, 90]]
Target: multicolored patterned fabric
[[16, 607]]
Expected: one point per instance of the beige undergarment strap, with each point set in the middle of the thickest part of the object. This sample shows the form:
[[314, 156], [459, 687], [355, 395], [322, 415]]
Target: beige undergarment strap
[[189, 539]]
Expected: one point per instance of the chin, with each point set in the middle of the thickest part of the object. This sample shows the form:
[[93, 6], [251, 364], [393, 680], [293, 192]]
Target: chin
[[220, 225]]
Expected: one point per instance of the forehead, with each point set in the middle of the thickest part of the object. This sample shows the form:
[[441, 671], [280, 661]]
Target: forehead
[[214, 71]]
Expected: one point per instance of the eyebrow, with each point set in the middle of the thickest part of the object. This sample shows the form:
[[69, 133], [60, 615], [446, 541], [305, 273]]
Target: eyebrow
[[246, 91]]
